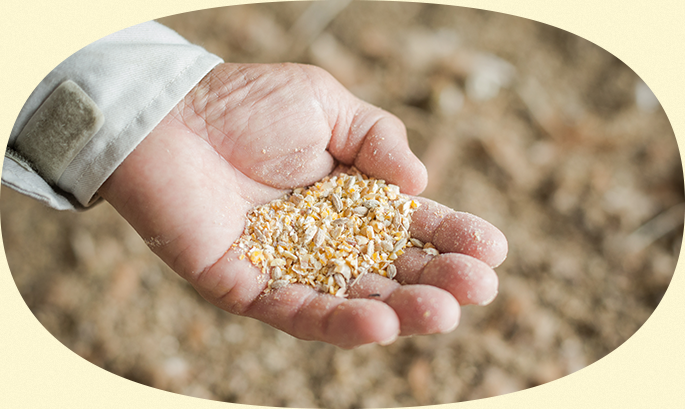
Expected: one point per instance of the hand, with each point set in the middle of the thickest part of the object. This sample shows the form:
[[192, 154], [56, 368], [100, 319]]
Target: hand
[[243, 137]]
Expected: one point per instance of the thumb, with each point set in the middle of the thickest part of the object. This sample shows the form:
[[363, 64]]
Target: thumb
[[375, 141]]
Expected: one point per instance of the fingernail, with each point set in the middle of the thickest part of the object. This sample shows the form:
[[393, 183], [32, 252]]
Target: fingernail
[[452, 328], [389, 341], [486, 302]]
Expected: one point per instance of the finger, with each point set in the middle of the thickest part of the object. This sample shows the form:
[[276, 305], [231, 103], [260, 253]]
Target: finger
[[468, 279], [307, 314], [421, 309], [237, 286], [375, 141], [458, 232]]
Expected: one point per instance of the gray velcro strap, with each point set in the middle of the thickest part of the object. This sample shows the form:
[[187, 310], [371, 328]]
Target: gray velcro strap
[[59, 129]]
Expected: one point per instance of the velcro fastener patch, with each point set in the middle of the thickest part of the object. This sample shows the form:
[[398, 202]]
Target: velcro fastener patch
[[59, 129]]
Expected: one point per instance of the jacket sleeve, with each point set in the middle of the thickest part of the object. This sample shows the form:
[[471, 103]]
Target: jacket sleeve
[[94, 108]]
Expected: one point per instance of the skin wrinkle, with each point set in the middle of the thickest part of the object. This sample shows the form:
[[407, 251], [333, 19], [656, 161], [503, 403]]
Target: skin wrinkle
[[325, 319], [307, 302], [437, 229], [197, 115], [315, 91], [387, 152], [359, 146], [321, 110], [338, 138], [298, 166], [224, 94], [228, 141], [423, 268], [175, 262], [242, 308], [253, 129], [198, 112], [197, 103], [368, 141], [235, 307], [372, 114], [203, 272]]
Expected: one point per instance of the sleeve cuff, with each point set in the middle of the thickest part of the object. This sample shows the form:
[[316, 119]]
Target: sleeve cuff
[[135, 77]]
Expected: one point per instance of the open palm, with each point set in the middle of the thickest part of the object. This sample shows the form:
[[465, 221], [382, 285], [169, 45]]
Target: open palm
[[243, 137]]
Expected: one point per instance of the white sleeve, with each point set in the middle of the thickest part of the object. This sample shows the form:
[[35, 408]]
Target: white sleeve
[[94, 108]]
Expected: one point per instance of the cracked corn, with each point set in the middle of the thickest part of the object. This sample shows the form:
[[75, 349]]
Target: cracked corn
[[330, 234]]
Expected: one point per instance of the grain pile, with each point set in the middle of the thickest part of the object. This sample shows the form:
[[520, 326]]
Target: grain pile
[[329, 235]]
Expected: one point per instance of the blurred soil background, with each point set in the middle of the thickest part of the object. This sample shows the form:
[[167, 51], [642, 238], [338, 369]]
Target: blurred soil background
[[544, 134]]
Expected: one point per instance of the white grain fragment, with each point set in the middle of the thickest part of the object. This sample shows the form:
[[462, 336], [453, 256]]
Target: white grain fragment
[[416, 242], [391, 271], [335, 233], [309, 234], [371, 204], [277, 262], [279, 284], [361, 240], [289, 255], [340, 280], [337, 203], [296, 199], [340, 221], [351, 181], [346, 271], [370, 234], [320, 237], [399, 245], [432, 251], [369, 249], [360, 211]]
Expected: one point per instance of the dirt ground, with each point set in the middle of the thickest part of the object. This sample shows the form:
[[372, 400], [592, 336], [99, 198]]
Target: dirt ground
[[544, 134]]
